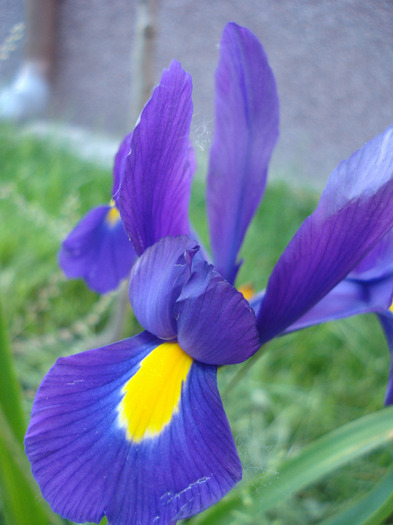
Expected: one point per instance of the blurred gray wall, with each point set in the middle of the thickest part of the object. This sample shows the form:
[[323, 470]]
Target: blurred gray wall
[[333, 62]]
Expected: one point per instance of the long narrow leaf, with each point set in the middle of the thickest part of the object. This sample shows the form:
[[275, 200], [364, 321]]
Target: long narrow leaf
[[10, 393], [22, 503], [327, 454], [372, 509], [19, 505], [312, 463]]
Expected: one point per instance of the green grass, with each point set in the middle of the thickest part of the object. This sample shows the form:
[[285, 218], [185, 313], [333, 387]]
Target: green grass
[[305, 384]]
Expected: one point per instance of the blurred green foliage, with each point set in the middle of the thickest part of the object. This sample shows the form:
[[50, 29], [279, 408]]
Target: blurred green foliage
[[307, 384]]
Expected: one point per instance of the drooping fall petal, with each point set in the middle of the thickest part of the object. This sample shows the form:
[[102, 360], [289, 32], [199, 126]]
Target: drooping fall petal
[[98, 250], [135, 431]]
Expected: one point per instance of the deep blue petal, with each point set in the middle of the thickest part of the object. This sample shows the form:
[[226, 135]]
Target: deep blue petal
[[155, 188], [88, 467], [215, 324], [120, 163], [98, 250], [175, 293], [246, 132], [378, 263], [157, 279], [348, 298], [353, 215], [386, 321]]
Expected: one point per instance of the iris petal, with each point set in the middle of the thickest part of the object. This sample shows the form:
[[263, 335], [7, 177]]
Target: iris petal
[[367, 289], [378, 263], [156, 282], [346, 299], [119, 164], [350, 297], [246, 132], [86, 465], [353, 214], [387, 325], [175, 293], [155, 189], [215, 324], [98, 250], [157, 387]]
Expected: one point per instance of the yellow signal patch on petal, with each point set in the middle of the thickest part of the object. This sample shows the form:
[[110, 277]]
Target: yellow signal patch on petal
[[247, 290], [152, 395], [113, 215]]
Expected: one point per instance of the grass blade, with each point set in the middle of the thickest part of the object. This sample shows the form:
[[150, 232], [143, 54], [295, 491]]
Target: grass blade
[[326, 454], [372, 509], [312, 463], [10, 392], [22, 503]]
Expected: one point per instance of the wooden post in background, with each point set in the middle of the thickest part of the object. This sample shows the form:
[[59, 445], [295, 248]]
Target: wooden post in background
[[143, 49], [142, 83]]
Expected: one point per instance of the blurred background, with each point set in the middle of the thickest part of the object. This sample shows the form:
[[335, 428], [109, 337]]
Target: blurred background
[[333, 62]]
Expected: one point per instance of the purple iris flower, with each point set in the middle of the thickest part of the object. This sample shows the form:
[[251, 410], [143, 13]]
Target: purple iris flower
[[98, 249], [368, 288], [136, 430]]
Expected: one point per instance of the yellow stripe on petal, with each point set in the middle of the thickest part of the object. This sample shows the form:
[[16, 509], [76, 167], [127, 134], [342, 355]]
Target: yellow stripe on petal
[[391, 308], [113, 215], [152, 395]]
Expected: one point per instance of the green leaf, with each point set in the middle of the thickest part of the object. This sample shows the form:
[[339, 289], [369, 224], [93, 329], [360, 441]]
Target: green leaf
[[19, 505], [312, 463], [22, 503], [10, 392], [372, 509], [21, 498], [326, 454]]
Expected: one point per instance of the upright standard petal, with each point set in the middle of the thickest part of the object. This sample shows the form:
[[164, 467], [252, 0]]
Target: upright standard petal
[[98, 250], [135, 431], [247, 119], [155, 188], [120, 162], [353, 214]]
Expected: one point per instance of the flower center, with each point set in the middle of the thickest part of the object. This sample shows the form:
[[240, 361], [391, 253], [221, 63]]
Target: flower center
[[152, 395]]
